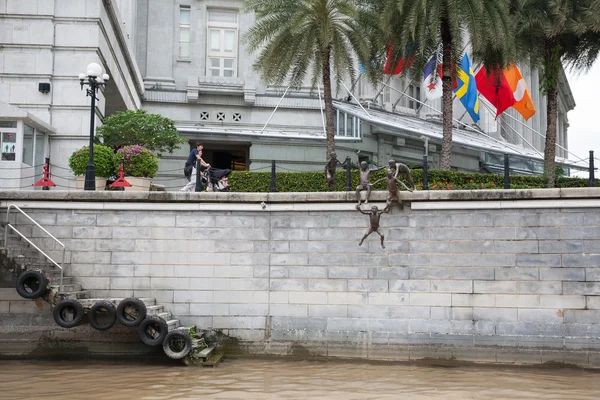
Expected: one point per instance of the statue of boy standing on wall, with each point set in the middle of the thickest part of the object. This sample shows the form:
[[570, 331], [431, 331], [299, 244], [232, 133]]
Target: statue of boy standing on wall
[[330, 168], [393, 190]]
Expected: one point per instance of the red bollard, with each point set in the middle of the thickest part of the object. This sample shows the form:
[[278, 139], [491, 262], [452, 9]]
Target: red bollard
[[121, 182], [45, 182]]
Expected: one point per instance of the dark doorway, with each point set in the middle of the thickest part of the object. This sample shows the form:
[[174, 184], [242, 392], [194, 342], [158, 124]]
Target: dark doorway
[[234, 156]]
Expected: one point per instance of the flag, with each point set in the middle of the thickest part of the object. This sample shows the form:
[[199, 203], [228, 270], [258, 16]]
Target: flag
[[466, 89], [403, 63], [432, 84], [361, 68], [495, 89], [524, 105]]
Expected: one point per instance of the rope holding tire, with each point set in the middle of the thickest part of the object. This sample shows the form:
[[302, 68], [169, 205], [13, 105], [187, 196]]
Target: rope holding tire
[[68, 313], [102, 315], [31, 285], [131, 311], [153, 330], [177, 344]]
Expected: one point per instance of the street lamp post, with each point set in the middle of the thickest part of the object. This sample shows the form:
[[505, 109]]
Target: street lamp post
[[94, 79]]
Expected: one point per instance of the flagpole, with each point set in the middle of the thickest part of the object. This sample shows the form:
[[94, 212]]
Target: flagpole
[[358, 102], [381, 90], [276, 107]]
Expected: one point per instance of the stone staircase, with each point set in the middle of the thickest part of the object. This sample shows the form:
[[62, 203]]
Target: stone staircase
[[28, 258]]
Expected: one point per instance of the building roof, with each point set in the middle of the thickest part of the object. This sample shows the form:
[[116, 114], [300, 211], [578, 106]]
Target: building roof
[[11, 112], [403, 125]]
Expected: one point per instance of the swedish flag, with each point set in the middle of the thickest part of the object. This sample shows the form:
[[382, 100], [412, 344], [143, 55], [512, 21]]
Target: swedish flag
[[466, 90]]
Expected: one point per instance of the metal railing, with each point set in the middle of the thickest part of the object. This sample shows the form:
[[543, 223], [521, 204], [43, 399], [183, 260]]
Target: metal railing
[[9, 225]]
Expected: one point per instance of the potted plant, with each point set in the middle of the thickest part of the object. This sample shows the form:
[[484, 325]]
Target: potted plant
[[139, 166], [104, 163]]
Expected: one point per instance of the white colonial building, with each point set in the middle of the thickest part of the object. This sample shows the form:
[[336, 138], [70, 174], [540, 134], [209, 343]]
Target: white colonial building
[[185, 59]]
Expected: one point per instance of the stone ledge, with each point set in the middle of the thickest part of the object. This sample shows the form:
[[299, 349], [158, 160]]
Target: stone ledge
[[298, 197]]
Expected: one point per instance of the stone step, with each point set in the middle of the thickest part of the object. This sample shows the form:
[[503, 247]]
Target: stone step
[[164, 315], [205, 352], [155, 310], [173, 324], [212, 360], [79, 295], [55, 281], [90, 302], [67, 287]]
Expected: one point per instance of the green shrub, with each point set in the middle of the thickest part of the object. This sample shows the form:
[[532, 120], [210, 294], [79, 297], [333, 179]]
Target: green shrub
[[137, 161], [104, 161], [244, 181]]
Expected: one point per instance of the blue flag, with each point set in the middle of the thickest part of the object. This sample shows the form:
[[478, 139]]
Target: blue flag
[[466, 90]]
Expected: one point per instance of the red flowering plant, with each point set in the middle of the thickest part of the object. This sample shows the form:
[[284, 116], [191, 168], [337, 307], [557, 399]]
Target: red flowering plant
[[137, 161]]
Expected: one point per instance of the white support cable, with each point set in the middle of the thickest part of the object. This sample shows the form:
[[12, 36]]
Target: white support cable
[[276, 107], [321, 108], [355, 99], [460, 122]]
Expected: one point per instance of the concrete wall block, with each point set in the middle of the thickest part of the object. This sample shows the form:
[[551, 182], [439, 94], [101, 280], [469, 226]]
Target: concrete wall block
[[71, 244], [517, 300], [114, 270], [232, 296], [289, 234], [161, 296], [368, 312], [474, 246], [410, 260], [429, 326], [543, 233], [142, 233], [238, 221], [171, 258], [307, 272], [493, 233], [289, 259], [73, 219], [276, 272], [249, 259], [379, 326], [593, 302], [421, 220], [327, 311], [584, 288], [289, 284], [580, 260], [194, 271], [451, 260], [115, 245], [139, 283], [410, 312], [347, 298], [209, 309], [591, 246], [307, 297], [409, 285], [90, 257], [495, 314], [429, 273], [194, 296], [429, 247], [238, 271], [348, 272], [530, 287], [166, 271], [516, 274], [232, 322], [388, 272], [116, 219], [214, 259], [440, 313], [470, 273], [367, 285], [537, 315], [347, 324], [447, 234], [562, 301], [233, 246], [253, 310], [494, 260], [388, 299], [155, 219], [561, 219], [471, 219], [517, 219], [367, 260], [92, 232], [96, 283], [193, 220], [473, 300], [274, 247], [390, 246], [346, 222], [452, 286], [561, 246], [566, 274], [249, 284], [279, 297], [494, 287], [581, 316], [328, 285], [292, 323], [430, 299], [289, 310], [538, 260], [78, 270], [129, 258], [516, 246], [327, 259], [404, 234], [169, 283]]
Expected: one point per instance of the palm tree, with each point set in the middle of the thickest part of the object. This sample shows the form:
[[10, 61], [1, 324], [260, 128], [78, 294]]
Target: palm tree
[[553, 33], [417, 28], [296, 38]]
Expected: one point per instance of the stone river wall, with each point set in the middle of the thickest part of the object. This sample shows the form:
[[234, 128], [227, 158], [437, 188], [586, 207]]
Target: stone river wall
[[493, 276]]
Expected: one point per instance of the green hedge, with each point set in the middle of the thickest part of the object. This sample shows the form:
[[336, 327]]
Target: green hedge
[[244, 181]]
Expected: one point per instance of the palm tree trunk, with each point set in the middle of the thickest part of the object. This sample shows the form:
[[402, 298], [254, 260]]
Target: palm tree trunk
[[446, 154], [329, 128], [550, 148]]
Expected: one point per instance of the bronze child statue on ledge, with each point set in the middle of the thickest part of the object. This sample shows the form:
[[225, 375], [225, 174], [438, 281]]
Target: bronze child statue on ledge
[[330, 168], [364, 180], [374, 217], [393, 190]]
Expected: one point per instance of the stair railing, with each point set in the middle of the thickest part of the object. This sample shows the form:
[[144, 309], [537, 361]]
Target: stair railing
[[9, 225]]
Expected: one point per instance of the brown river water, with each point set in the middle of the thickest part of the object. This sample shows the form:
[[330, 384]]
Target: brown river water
[[265, 378]]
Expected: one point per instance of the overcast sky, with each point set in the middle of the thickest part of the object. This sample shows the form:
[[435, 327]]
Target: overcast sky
[[584, 120]]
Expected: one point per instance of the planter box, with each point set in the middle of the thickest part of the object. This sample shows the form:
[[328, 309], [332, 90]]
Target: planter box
[[80, 183], [138, 184]]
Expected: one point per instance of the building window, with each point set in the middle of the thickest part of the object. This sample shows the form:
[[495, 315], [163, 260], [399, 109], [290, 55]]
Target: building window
[[415, 93], [8, 140], [221, 57], [184, 32], [28, 139]]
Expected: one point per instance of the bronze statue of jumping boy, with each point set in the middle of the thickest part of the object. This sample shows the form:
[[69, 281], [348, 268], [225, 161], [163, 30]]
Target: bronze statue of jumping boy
[[374, 217]]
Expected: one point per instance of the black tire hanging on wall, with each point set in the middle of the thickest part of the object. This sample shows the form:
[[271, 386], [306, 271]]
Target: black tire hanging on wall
[[153, 330], [68, 313], [31, 285], [177, 344], [131, 312], [96, 311]]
